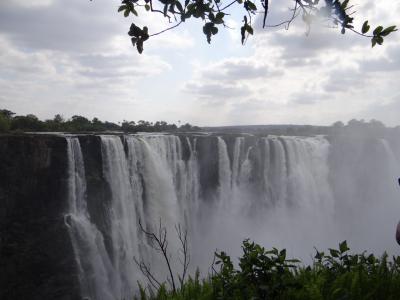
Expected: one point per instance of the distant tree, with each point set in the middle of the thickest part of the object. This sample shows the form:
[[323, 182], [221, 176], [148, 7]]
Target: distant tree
[[111, 126], [354, 123], [5, 119], [128, 126], [335, 13], [376, 124], [188, 127], [4, 123], [27, 123], [338, 124], [7, 113], [79, 123], [58, 119]]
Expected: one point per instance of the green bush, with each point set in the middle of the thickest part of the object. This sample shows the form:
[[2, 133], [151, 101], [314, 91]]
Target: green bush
[[268, 274]]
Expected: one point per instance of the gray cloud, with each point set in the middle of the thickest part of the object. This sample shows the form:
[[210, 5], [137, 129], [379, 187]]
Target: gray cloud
[[390, 63], [321, 41], [232, 70], [343, 80], [389, 112], [308, 97], [116, 66], [65, 26], [216, 91], [230, 78]]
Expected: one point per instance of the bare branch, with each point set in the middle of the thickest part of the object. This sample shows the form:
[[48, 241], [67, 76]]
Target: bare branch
[[169, 28], [265, 4], [161, 245], [145, 269], [228, 5], [182, 235]]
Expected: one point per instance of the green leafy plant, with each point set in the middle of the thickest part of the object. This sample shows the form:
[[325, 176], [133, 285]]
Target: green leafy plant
[[269, 274]]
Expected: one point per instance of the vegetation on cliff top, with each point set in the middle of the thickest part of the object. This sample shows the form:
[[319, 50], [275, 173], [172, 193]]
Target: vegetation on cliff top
[[10, 122], [31, 123]]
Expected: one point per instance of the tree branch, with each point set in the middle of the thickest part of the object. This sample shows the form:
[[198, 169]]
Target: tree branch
[[167, 29]]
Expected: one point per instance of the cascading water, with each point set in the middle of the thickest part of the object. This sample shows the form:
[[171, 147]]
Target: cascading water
[[96, 275], [291, 192]]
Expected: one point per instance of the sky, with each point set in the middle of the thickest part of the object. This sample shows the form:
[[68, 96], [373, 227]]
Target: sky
[[75, 58]]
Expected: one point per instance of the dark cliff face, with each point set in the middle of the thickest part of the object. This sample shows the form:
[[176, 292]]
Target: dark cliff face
[[208, 166], [36, 257]]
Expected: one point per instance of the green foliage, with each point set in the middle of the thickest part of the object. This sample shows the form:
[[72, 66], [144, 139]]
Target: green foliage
[[212, 12], [268, 274], [78, 123], [379, 33]]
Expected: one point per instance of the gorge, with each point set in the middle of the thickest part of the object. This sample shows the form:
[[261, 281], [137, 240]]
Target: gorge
[[70, 204]]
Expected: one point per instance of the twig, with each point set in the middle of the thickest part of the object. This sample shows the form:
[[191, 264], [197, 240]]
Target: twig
[[169, 28]]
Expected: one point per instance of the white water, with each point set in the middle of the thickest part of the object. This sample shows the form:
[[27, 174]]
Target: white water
[[290, 192], [96, 274]]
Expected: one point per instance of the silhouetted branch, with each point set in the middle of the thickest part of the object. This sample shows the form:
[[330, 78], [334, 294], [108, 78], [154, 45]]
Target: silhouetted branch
[[182, 235], [159, 242]]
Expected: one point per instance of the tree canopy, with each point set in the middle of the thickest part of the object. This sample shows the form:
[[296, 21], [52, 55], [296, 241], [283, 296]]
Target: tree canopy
[[77, 123], [334, 13]]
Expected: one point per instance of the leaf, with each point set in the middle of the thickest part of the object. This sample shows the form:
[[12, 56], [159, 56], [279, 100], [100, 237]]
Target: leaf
[[134, 40], [165, 10], [334, 252], [207, 30], [139, 46], [345, 3], [388, 30], [249, 29], [147, 7], [250, 5], [343, 247], [134, 30], [243, 34], [282, 255], [373, 42], [179, 6], [219, 15], [121, 8], [214, 30], [126, 12], [365, 27], [211, 17], [378, 30]]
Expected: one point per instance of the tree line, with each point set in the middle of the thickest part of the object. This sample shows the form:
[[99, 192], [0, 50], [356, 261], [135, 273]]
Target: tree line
[[10, 122]]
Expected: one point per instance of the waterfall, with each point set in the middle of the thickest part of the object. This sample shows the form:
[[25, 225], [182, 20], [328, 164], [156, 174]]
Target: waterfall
[[122, 214], [96, 274], [236, 160], [224, 173], [284, 191]]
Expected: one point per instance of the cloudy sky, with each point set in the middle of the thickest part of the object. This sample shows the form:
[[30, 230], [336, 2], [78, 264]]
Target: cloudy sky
[[74, 57]]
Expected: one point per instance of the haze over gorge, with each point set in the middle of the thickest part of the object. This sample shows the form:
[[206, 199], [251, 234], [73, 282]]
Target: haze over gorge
[[70, 203]]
